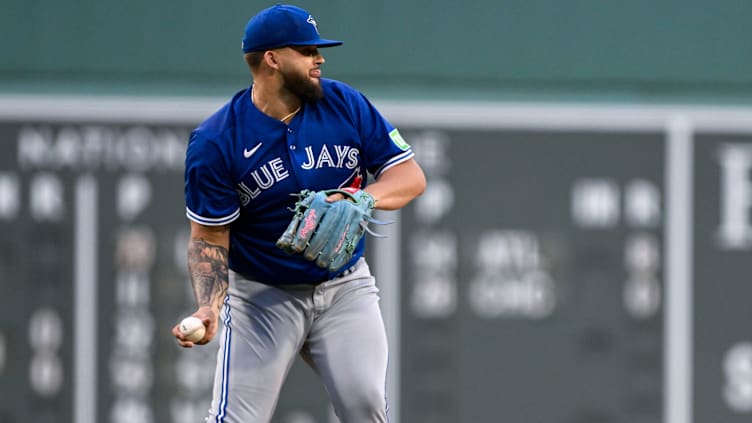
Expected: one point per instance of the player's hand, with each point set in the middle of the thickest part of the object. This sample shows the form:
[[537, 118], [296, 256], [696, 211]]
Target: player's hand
[[352, 189], [337, 196], [209, 317]]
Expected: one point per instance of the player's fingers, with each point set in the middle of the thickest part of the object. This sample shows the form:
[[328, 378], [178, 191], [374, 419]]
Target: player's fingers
[[208, 318], [186, 344], [334, 197], [208, 335], [180, 338], [176, 332], [211, 329]]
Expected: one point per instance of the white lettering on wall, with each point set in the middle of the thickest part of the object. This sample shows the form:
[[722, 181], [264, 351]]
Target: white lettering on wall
[[735, 231]]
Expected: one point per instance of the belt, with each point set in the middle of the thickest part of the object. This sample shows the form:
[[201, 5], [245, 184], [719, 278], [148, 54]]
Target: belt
[[339, 275], [346, 272]]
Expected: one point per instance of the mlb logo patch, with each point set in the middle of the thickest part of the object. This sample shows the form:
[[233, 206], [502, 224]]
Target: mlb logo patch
[[398, 140]]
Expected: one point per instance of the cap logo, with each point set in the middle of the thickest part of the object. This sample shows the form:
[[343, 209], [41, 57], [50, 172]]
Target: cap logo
[[312, 21]]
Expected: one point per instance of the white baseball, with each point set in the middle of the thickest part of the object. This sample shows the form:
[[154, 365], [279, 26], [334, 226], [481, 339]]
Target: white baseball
[[192, 328]]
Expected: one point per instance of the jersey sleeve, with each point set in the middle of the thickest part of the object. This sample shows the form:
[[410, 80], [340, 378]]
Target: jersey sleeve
[[210, 197], [383, 145]]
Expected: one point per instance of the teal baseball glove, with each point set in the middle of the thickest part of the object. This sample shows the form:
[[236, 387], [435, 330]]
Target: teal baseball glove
[[328, 232]]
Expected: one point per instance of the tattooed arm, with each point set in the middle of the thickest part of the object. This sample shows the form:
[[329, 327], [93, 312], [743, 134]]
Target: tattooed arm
[[207, 264]]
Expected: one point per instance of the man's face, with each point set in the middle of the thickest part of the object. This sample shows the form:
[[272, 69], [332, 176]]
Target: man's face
[[301, 72]]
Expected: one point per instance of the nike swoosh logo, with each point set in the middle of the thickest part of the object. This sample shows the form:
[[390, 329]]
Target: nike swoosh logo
[[248, 153]]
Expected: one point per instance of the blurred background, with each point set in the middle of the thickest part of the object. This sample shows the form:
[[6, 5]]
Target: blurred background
[[581, 255]]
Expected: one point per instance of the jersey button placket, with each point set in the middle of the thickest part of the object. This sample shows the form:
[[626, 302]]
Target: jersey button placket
[[292, 141]]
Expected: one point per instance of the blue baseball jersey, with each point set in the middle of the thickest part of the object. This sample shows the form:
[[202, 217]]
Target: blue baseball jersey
[[241, 167]]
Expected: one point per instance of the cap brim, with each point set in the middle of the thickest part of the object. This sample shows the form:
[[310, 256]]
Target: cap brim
[[319, 43]]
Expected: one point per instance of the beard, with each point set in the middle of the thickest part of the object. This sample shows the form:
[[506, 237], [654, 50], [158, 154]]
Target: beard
[[301, 85]]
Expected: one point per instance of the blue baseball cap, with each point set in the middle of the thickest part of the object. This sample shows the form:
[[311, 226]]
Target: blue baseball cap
[[283, 25]]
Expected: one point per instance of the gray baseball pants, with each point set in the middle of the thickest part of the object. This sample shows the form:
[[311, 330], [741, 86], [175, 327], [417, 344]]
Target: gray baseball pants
[[335, 326]]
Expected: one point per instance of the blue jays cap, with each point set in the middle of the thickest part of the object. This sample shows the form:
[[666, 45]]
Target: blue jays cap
[[283, 25]]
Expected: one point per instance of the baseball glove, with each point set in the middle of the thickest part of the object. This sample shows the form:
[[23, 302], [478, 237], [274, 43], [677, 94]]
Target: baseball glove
[[328, 232]]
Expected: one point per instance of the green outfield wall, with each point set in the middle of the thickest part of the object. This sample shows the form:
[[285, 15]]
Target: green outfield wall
[[638, 51]]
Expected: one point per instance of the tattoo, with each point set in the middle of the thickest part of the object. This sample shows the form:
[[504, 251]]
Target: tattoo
[[207, 264]]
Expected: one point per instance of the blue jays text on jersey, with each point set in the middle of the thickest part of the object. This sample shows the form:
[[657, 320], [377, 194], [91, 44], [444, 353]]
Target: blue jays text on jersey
[[242, 165]]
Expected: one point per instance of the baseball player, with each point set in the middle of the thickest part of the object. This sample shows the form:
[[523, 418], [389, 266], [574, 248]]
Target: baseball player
[[291, 130]]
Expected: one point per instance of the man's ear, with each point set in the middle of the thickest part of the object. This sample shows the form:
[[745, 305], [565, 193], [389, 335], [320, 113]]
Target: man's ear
[[270, 57]]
